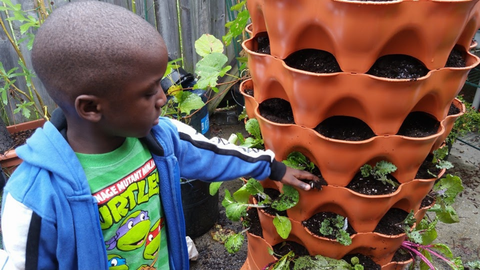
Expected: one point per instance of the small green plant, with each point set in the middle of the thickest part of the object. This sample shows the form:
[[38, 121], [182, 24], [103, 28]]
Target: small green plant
[[255, 140], [468, 122], [236, 205], [299, 161], [445, 192], [336, 227], [313, 262], [438, 159], [184, 103], [421, 236], [27, 102], [473, 265], [379, 171]]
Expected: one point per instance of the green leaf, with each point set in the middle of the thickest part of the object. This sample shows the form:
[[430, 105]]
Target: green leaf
[[208, 44], [447, 215], [254, 187], [235, 211], [449, 187], [242, 195], [190, 102], [444, 249], [424, 233], [213, 187], [366, 170], [238, 6], [344, 238], [283, 226], [473, 264], [384, 167], [234, 243], [253, 128], [228, 199], [320, 262], [288, 199], [210, 68]]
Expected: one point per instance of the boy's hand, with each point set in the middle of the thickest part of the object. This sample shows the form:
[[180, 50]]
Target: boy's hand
[[292, 177]]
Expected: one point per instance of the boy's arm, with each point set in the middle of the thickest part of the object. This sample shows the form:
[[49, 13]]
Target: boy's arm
[[218, 160]]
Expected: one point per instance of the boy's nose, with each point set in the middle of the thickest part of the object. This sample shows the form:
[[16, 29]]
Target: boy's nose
[[161, 99]]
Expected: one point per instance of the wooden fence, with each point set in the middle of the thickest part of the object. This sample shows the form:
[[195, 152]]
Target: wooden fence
[[180, 22]]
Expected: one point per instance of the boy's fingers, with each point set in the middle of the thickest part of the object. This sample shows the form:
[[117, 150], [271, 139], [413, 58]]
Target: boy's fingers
[[292, 181]]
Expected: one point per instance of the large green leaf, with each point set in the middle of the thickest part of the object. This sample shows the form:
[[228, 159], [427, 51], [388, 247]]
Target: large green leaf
[[208, 44], [235, 211], [234, 243], [190, 102], [283, 226], [213, 187], [210, 68]]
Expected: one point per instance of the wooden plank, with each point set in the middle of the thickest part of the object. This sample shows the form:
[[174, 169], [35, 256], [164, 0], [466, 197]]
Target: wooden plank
[[168, 26]]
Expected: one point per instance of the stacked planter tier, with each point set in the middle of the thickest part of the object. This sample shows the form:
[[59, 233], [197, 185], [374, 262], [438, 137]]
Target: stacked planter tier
[[357, 34]]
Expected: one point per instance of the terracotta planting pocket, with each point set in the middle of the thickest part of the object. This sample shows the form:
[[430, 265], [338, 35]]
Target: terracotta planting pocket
[[407, 153], [394, 27], [401, 259], [363, 211], [449, 121], [377, 246], [258, 255], [381, 103]]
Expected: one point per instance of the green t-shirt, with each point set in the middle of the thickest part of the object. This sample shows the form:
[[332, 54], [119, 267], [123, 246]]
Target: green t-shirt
[[125, 184]]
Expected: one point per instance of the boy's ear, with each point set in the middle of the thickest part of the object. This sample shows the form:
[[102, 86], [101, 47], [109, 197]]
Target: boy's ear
[[89, 107]]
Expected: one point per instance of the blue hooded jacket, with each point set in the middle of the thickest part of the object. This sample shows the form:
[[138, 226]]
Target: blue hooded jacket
[[50, 219]]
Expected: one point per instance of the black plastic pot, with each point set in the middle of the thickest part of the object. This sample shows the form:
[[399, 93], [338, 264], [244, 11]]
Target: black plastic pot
[[200, 209], [200, 120]]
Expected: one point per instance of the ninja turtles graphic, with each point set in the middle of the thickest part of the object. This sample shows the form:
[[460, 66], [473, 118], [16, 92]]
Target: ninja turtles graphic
[[153, 240], [132, 233], [116, 262]]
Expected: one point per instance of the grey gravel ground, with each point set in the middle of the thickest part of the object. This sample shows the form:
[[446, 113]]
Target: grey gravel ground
[[463, 238]]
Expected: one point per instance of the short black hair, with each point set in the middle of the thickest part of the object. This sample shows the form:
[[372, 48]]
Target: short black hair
[[89, 47]]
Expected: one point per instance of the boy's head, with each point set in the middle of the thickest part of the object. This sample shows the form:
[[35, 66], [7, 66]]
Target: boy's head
[[103, 64]]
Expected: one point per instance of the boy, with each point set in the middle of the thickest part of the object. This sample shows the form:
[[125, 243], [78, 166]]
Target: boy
[[90, 194]]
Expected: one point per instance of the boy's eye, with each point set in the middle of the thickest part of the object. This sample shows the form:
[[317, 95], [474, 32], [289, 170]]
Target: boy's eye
[[150, 94]]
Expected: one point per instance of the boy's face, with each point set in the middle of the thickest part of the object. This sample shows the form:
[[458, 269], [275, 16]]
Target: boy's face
[[135, 109]]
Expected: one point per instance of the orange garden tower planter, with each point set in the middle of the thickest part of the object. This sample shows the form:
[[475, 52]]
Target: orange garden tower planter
[[357, 34]]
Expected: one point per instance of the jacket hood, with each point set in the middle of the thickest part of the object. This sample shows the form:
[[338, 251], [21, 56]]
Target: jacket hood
[[48, 143]]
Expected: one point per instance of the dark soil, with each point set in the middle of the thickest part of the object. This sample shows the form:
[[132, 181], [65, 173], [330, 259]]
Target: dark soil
[[316, 184], [273, 194], [345, 128], [312, 60], [277, 110], [370, 186], [263, 43], [456, 59], [427, 201], [427, 166], [253, 221], [366, 261], [18, 138], [401, 255], [392, 222], [398, 66], [419, 124], [283, 248], [314, 223], [453, 110], [249, 92]]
